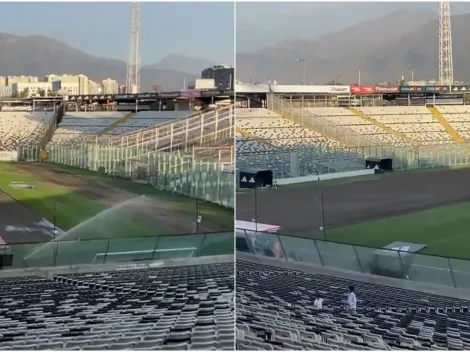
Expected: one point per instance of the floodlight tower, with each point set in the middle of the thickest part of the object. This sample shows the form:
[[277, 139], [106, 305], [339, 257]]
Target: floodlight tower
[[446, 66], [133, 59]]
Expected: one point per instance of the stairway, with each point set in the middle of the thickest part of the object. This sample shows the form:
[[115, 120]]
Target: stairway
[[382, 126], [449, 129], [116, 124]]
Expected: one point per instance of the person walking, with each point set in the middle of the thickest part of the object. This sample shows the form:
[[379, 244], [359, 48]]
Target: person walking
[[352, 300]]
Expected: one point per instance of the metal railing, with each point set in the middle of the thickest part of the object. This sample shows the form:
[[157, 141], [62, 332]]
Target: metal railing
[[111, 250], [325, 127], [323, 158], [193, 169], [178, 134], [447, 271]]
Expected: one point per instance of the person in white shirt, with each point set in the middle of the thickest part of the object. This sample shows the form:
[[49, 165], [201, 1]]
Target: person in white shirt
[[318, 303], [352, 301]]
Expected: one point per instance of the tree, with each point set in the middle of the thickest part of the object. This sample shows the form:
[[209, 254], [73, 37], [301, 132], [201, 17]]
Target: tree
[[24, 93]]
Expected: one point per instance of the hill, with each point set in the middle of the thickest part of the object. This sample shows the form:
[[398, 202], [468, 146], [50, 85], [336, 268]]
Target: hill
[[193, 65], [37, 56], [381, 49]]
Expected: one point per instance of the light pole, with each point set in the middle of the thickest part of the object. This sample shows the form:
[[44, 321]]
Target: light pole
[[304, 69], [412, 68]]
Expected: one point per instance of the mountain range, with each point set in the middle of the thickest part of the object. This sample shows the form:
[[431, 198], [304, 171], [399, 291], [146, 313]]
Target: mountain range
[[38, 56], [382, 50]]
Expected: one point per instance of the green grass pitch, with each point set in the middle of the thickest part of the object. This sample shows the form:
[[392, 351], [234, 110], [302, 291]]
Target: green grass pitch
[[445, 230], [68, 208]]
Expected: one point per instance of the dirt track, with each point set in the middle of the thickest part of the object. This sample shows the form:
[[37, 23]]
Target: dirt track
[[18, 224], [298, 210], [13, 213]]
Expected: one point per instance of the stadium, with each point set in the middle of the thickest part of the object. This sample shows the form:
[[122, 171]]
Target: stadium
[[333, 213], [328, 210], [353, 185], [117, 223]]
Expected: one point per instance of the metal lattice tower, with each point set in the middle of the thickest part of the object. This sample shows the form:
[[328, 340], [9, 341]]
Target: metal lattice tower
[[446, 66], [133, 60]]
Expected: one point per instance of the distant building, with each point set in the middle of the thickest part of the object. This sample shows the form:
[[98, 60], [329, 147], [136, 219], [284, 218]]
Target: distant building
[[110, 86], [5, 91], [66, 88], [10, 80], [3, 81], [94, 87], [208, 83], [223, 76], [31, 89], [71, 81]]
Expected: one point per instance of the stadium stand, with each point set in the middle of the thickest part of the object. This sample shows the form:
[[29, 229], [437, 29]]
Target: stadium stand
[[347, 119], [416, 122], [458, 116], [75, 126], [266, 138], [22, 127], [278, 131], [165, 308], [275, 311], [147, 119]]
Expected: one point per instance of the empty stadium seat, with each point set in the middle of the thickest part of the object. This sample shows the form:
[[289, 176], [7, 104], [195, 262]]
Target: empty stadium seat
[[17, 128], [162, 308], [275, 312], [268, 141], [76, 126]]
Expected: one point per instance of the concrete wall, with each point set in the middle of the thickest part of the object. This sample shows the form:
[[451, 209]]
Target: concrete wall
[[324, 177]]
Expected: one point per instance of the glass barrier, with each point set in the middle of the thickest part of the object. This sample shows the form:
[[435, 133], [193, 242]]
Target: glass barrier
[[379, 261], [300, 249], [430, 269], [178, 246], [222, 243], [461, 272], [33, 255], [127, 249], [99, 251], [426, 268], [338, 255], [80, 252]]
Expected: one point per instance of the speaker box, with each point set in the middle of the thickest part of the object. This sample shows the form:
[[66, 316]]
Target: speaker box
[[6, 260]]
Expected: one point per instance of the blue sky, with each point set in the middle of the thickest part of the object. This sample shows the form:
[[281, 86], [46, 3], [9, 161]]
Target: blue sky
[[102, 29]]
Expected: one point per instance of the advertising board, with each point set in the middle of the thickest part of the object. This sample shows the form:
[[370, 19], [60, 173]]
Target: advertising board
[[362, 90], [190, 93], [387, 89], [310, 89], [411, 89]]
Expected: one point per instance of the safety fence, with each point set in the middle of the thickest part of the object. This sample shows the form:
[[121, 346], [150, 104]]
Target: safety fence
[[208, 178], [398, 263], [323, 158], [191, 156], [112, 250]]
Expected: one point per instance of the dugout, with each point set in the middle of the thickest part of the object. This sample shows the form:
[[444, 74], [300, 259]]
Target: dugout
[[383, 164], [395, 259], [252, 178]]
